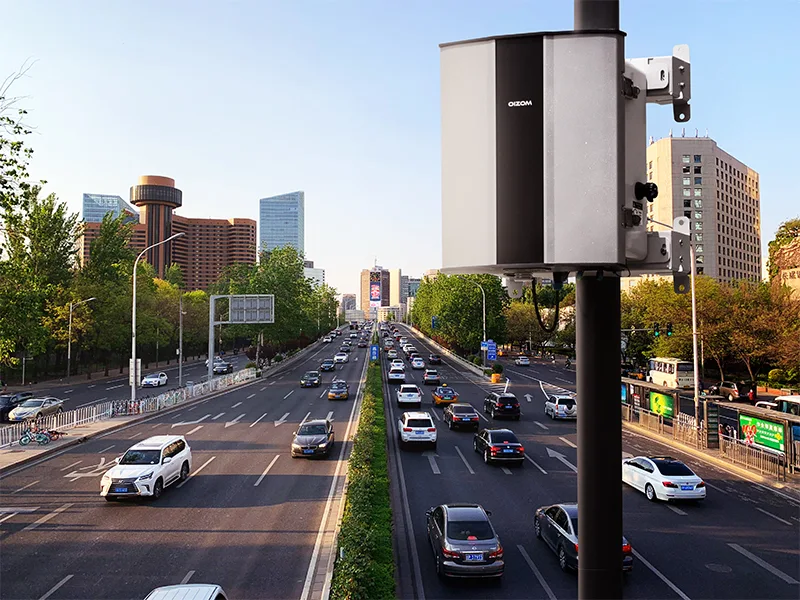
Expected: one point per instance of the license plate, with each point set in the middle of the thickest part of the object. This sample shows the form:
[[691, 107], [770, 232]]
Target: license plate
[[509, 406], [308, 451], [420, 432], [120, 490], [509, 450], [473, 557], [687, 488]]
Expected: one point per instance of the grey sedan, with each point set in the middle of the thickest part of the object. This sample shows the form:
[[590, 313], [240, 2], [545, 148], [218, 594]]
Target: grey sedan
[[33, 408], [464, 542]]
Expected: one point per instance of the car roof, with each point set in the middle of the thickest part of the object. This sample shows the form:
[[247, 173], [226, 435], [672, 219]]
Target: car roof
[[462, 405], [327, 360], [571, 508], [314, 422], [662, 460], [156, 442], [417, 414], [465, 512], [187, 591], [562, 396]]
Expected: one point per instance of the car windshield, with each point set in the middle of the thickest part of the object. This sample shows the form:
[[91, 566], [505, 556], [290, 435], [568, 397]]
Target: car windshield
[[469, 530], [463, 410], [312, 430], [673, 468], [32, 403], [568, 402], [419, 423], [311, 374], [327, 362], [504, 437], [141, 457], [445, 392], [574, 525], [338, 386], [5, 400]]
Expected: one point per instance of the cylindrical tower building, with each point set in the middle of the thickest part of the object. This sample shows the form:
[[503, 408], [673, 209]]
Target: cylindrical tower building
[[156, 197]]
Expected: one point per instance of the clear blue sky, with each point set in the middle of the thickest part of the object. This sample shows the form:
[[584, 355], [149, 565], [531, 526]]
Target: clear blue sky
[[241, 100]]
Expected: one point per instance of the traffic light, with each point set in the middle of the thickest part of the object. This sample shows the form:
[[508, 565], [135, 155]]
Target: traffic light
[[656, 329], [669, 328]]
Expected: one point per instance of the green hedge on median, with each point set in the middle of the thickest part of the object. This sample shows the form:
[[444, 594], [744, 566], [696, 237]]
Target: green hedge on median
[[365, 565]]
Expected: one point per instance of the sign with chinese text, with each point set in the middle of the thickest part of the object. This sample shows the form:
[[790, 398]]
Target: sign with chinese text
[[759, 432], [662, 404]]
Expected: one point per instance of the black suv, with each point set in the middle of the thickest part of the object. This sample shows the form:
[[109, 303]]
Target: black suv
[[500, 404]]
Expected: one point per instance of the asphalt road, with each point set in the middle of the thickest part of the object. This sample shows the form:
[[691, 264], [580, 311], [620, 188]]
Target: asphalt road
[[742, 542], [247, 518]]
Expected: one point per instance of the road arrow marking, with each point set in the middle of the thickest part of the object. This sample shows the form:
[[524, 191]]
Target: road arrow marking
[[330, 416], [528, 397], [282, 420], [553, 454], [545, 427], [93, 471], [432, 460], [235, 421], [218, 416], [200, 420]]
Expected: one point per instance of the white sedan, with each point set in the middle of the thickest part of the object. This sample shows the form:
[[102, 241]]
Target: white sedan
[[341, 357], [155, 380], [326, 340], [523, 361], [662, 478]]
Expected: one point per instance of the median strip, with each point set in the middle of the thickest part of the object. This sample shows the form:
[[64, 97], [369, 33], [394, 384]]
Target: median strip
[[365, 565]]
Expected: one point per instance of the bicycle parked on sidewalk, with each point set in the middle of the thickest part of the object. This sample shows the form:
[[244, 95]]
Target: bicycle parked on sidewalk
[[32, 433]]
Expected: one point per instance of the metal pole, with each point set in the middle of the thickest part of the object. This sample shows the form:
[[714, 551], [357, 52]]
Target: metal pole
[[599, 436], [158, 333], [180, 339], [24, 358], [483, 296], [694, 340], [211, 303], [69, 341], [597, 14]]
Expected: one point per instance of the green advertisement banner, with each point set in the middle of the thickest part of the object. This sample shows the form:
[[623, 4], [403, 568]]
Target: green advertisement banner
[[762, 433], [662, 404]]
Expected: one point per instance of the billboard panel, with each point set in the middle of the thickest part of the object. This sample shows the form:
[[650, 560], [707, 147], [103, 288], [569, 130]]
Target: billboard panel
[[662, 404], [374, 289], [759, 432]]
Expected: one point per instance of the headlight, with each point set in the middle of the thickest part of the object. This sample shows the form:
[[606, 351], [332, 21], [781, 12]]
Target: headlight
[[322, 445], [297, 446], [105, 479], [145, 476]]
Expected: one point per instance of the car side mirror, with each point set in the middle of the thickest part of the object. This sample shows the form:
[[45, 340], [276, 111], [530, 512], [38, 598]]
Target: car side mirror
[[488, 513], [167, 460], [116, 460], [428, 512], [294, 433]]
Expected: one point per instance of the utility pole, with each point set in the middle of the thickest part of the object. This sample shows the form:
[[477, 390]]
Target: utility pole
[[694, 340], [180, 339], [597, 325]]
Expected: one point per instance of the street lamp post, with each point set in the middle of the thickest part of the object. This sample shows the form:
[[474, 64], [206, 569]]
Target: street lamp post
[[693, 258], [69, 332], [180, 339], [133, 313], [483, 295]]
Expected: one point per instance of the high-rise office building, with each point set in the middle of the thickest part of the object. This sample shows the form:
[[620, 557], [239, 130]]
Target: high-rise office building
[[281, 222], [397, 294], [413, 286], [97, 206], [347, 302], [721, 197], [314, 273], [382, 277]]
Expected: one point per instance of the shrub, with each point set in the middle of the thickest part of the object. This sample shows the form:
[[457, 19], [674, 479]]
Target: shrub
[[487, 372], [476, 360], [278, 358], [792, 375], [251, 365], [776, 376], [497, 368]]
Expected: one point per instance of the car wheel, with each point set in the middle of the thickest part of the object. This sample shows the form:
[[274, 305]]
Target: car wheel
[[650, 492], [158, 488], [486, 458], [184, 471], [60, 409], [537, 528], [449, 424], [562, 559], [475, 445], [730, 397]]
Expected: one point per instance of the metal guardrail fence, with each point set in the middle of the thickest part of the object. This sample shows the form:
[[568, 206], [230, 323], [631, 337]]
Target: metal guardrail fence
[[643, 417], [117, 408], [763, 461]]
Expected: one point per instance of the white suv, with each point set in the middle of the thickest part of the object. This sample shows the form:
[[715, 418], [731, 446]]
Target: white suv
[[561, 407], [416, 427], [408, 393], [147, 468]]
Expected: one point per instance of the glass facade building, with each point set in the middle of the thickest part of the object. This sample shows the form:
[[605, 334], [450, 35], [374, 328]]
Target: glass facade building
[[281, 222], [97, 206]]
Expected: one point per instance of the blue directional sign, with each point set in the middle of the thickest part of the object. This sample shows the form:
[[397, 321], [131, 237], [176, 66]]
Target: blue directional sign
[[373, 352], [484, 346], [491, 350]]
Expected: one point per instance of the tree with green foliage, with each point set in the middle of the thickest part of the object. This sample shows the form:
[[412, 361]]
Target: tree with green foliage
[[174, 275], [788, 232], [522, 326]]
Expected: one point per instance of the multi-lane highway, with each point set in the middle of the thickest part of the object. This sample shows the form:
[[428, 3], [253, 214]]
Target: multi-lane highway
[[248, 517], [742, 542]]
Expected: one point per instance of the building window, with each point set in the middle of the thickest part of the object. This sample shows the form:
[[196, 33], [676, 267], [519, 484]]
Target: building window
[[685, 159], [698, 203], [686, 192], [699, 258], [687, 203], [699, 249], [687, 170], [698, 181], [698, 237], [698, 226], [698, 214], [687, 181], [650, 165], [697, 158], [650, 176], [687, 214], [698, 193], [698, 170]]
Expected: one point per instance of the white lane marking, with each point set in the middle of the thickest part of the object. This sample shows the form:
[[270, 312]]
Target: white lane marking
[[217, 417], [104, 450], [272, 383], [432, 461], [289, 394], [195, 430], [660, 575], [769, 514], [114, 387], [464, 460], [436, 413], [157, 425], [187, 577], [7, 517], [329, 417], [506, 470], [536, 572], [308, 414], [535, 464], [25, 487], [281, 377], [195, 422], [262, 389], [132, 436], [253, 395], [676, 510], [323, 393], [19, 509], [67, 391], [564, 380], [282, 420], [178, 416], [47, 517], [235, 421], [77, 462], [481, 415], [53, 589], [545, 427], [91, 386], [557, 455], [264, 474], [192, 408], [764, 564], [567, 442], [203, 466], [712, 486], [258, 419], [237, 404]]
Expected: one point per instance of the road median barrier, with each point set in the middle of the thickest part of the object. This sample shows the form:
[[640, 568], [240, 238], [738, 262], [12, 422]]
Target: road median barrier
[[364, 568]]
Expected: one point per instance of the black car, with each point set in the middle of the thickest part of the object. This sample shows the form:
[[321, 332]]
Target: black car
[[362, 344], [461, 415], [345, 349], [499, 445], [221, 367], [9, 402], [557, 525], [434, 359], [327, 365], [463, 541], [499, 404], [310, 379], [314, 438]]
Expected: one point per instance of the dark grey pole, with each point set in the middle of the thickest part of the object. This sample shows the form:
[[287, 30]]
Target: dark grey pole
[[597, 14]]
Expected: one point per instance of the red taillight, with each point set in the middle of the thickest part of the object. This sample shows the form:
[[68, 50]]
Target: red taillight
[[407, 429], [669, 484], [522, 449], [450, 553], [497, 553], [456, 418], [431, 428], [576, 548], [702, 484], [626, 548], [494, 449]]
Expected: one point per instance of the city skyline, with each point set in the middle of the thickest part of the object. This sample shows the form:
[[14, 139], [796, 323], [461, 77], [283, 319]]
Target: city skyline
[[372, 145]]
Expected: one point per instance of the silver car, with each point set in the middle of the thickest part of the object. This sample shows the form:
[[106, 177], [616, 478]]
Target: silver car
[[463, 541]]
